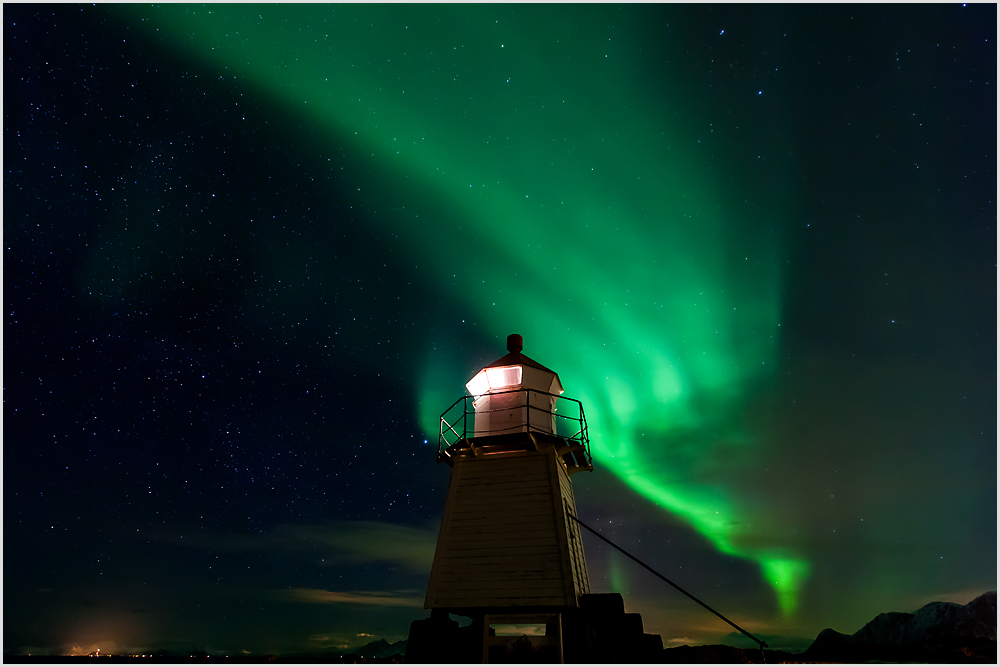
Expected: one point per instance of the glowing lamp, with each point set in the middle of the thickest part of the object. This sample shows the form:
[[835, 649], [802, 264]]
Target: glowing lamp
[[489, 379]]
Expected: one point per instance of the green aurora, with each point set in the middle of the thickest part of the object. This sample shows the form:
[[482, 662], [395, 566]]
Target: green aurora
[[554, 192]]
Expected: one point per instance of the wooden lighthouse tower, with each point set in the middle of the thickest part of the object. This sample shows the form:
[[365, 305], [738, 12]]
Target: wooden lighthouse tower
[[508, 551]]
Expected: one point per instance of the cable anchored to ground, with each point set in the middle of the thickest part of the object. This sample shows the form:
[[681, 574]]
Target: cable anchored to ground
[[763, 644]]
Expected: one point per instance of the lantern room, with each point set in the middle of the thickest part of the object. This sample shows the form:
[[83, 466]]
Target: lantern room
[[514, 394]]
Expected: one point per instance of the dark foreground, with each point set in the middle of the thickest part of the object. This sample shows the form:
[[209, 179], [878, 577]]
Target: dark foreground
[[937, 633], [968, 652], [981, 653]]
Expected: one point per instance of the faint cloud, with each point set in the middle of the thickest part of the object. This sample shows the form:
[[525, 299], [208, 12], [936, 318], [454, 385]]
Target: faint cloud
[[679, 641], [372, 540], [332, 543], [330, 641], [377, 598]]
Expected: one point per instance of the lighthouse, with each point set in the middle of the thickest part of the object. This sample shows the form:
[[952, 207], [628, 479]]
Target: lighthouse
[[509, 552], [506, 539]]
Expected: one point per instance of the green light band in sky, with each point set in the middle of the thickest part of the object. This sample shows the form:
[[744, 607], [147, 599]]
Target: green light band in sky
[[579, 215]]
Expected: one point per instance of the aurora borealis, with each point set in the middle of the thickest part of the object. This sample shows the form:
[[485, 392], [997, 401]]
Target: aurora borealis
[[274, 242], [585, 249]]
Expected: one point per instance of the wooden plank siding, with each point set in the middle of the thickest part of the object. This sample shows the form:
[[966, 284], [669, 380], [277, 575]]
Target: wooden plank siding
[[505, 540], [577, 557]]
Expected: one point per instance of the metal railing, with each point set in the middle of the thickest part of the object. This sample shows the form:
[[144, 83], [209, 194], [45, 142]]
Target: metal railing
[[565, 421]]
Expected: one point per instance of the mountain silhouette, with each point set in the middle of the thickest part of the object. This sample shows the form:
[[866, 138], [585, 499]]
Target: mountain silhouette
[[938, 630]]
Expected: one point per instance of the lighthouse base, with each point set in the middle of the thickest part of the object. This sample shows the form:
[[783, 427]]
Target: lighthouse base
[[598, 631]]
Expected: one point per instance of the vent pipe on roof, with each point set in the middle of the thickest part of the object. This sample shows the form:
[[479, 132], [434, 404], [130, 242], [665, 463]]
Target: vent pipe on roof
[[515, 343]]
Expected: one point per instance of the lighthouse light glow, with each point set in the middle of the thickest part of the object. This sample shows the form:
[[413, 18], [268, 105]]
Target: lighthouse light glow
[[491, 379]]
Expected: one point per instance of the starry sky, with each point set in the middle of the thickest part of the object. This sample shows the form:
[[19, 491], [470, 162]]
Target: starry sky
[[252, 252]]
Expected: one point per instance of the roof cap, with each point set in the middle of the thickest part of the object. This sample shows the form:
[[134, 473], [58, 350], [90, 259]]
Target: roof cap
[[515, 343]]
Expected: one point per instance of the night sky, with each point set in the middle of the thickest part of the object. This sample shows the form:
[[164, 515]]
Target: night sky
[[252, 252]]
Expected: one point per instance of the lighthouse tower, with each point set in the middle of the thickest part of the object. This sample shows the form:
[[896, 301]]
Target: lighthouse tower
[[508, 551], [506, 540]]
